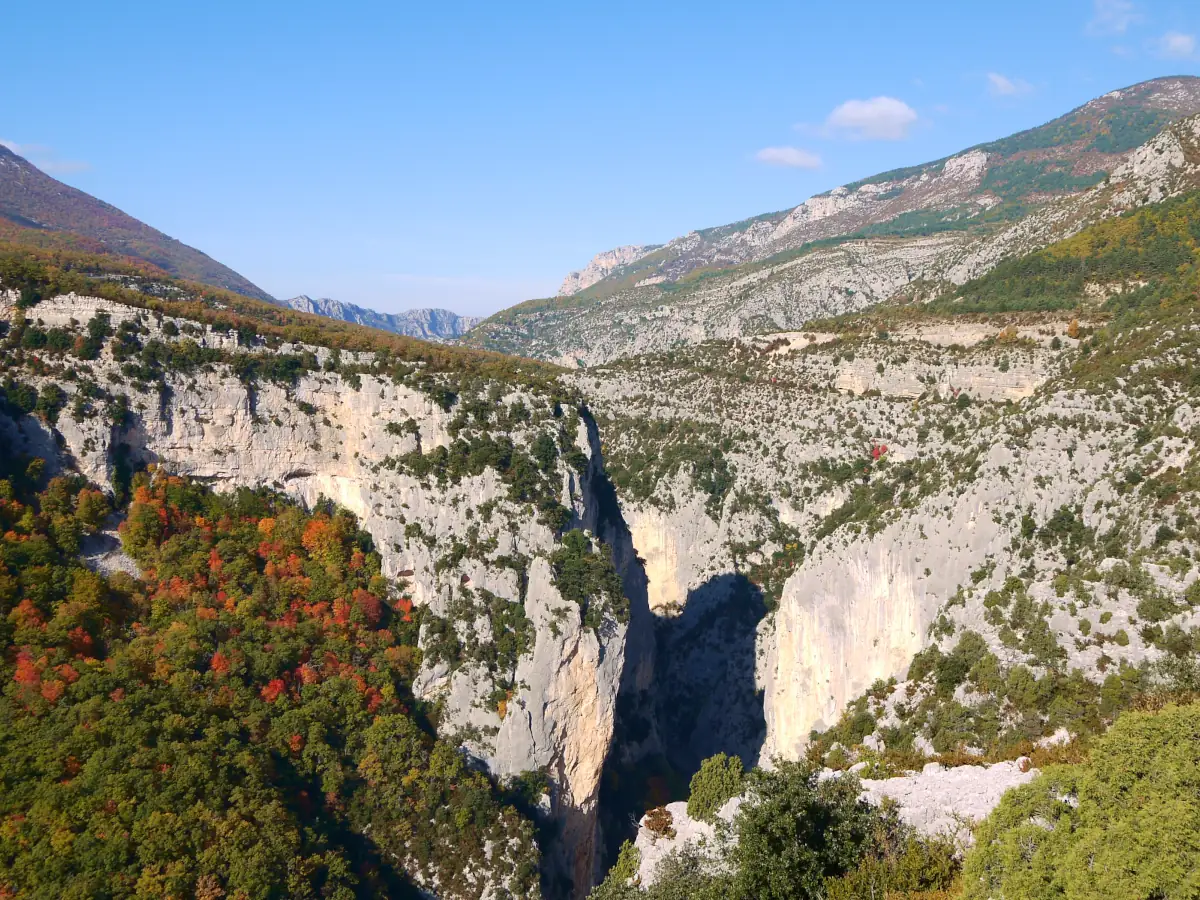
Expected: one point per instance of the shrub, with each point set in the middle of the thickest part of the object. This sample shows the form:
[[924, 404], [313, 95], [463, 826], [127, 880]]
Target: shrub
[[901, 864], [796, 831], [719, 779], [660, 822], [586, 576]]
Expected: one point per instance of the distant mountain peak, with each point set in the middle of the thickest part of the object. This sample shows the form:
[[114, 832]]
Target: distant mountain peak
[[601, 266], [427, 324]]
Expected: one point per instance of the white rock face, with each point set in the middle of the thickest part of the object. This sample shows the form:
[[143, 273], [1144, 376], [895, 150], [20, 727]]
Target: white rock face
[[942, 800], [842, 209], [857, 612], [601, 266], [841, 625], [681, 549]]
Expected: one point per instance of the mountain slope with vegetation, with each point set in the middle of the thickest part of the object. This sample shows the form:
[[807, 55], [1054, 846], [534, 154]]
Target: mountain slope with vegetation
[[235, 722], [473, 473], [913, 233], [39, 211]]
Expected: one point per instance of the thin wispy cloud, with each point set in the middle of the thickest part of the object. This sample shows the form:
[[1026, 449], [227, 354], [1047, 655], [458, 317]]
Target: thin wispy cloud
[[1112, 17], [1177, 45], [1003, 86], [22, 149], [45, 158], [877, 119], [788, 158]]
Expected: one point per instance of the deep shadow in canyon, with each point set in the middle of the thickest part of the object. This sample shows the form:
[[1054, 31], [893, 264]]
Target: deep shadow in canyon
[[687, 689], [701, 699]]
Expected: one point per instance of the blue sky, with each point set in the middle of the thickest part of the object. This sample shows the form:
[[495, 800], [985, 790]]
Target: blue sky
[[468, 155]]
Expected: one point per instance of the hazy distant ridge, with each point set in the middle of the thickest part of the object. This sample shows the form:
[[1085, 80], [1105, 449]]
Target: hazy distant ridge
[[429, 324]]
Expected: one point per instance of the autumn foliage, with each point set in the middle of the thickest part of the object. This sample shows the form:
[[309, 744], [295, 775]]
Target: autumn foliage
[[207, 728]]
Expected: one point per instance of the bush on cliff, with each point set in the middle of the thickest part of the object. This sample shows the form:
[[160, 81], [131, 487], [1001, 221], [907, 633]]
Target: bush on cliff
[[720, 778]]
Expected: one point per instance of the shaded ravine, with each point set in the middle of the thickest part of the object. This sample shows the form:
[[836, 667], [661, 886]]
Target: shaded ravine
[[688, 685]]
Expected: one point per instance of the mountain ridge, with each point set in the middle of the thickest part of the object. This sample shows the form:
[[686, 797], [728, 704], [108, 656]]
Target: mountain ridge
[[428, 323], [1016, 167], [38, 210], [936, 227]]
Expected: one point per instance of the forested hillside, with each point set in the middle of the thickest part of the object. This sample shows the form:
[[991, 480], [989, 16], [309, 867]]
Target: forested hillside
[[238, 721], [39, 211]]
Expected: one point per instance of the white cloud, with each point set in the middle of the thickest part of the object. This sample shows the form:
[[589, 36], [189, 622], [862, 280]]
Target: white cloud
[[45, 158], [877, 119], [1177, 45], [1112, 17], [788, 157], [1001, 86]]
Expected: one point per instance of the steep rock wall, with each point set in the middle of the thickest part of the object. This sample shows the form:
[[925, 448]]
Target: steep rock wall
[[858, 610], [878, 474]]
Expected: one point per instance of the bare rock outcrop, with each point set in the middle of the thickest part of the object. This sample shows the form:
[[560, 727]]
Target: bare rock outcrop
[[601, 266]]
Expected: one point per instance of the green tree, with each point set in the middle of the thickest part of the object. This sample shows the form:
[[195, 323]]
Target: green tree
[[720, 778], [796, 831], [900, 863], [1126, 823]]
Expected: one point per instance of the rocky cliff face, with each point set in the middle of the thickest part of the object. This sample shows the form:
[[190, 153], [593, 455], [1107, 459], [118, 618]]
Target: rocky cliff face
[[872, 493], [427, 324], [601, 266]]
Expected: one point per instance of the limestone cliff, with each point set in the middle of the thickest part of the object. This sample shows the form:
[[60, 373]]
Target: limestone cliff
[[600, 267], [874, 492]]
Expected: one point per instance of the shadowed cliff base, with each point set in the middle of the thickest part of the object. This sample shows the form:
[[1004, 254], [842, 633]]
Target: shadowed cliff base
[[707, 701], [702, 701]]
